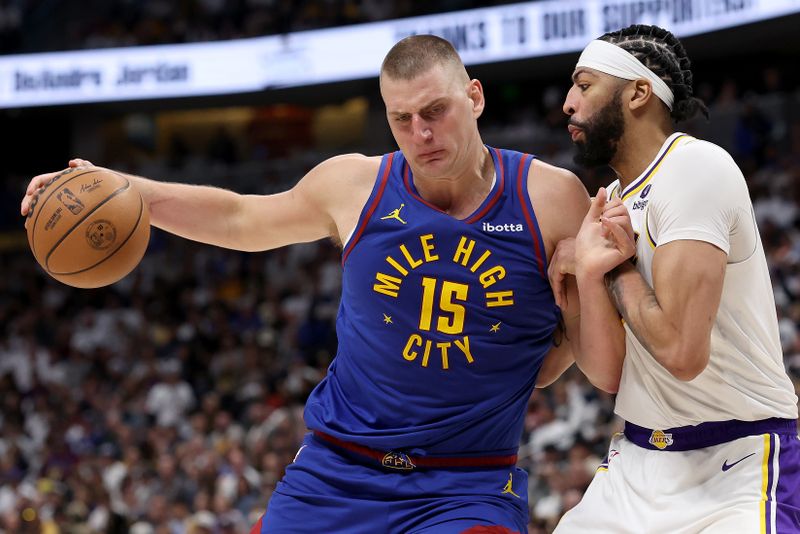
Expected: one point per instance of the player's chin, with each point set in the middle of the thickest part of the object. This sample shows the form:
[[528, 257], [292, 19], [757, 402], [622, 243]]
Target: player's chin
[[435, 166]]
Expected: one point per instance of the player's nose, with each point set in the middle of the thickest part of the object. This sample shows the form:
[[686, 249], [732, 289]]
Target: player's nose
[[570, 102], [421, 128]]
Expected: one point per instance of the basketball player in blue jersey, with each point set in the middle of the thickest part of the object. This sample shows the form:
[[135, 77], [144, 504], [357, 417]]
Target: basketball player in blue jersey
[[447, 319], [710, 442]]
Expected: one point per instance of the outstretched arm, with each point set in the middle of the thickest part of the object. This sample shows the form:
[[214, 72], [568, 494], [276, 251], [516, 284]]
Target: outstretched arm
[[323, 200]]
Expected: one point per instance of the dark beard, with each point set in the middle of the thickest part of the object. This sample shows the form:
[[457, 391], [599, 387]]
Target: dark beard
[[601, 135]]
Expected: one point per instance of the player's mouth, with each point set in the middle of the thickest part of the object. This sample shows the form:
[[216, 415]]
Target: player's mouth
[[432, 155], [574, 132]]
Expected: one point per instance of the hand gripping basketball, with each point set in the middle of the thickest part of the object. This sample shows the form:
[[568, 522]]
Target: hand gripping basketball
[[87, 226]]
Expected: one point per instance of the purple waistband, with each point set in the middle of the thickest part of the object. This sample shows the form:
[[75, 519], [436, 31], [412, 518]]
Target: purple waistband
[[686, 438]]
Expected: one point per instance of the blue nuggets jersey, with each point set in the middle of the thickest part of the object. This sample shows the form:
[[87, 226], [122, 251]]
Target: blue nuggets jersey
[[443, 323]]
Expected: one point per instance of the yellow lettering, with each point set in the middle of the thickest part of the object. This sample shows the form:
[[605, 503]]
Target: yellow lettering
[[416, 342], [393, 262], [388, 285], [464, 250], [427, 248], [426, 309], [443, 347], [464, 346], [452, 291], [411, 261], [501, 298], [487, 277], [480, 261], [427, 353], [409, 354]]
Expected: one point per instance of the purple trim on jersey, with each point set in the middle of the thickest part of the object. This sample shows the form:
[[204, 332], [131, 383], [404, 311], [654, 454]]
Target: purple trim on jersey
[[649, 170], [372, 203], [688, 438], [787, 493], [527, 208]]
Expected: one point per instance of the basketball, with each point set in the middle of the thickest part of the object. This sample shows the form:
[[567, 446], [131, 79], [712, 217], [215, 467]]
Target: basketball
[[88, 227]]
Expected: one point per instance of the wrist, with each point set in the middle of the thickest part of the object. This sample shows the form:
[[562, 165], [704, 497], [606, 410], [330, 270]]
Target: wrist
[[611, 277], [588, 276]]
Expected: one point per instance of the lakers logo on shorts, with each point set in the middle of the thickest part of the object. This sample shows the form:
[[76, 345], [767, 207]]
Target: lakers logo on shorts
[[660, 440], [397, 460]]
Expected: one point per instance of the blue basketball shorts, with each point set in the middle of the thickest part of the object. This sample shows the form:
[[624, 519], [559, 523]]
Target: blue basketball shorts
[[327, 489]]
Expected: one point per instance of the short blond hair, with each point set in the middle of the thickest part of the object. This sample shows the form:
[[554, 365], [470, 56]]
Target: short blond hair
[[417, 54]]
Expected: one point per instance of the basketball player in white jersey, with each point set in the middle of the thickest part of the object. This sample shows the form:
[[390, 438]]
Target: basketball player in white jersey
[[710, 442]]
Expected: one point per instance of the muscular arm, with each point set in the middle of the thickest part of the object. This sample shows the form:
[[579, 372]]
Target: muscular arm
[[324, 203], [673, 320], [597, 337], [560, 202], [602, 335], [562, 355]]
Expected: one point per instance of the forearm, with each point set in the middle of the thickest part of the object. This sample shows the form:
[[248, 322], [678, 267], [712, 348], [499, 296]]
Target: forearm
[[602, 336], [201, 213], [659, 333], [556, 362]]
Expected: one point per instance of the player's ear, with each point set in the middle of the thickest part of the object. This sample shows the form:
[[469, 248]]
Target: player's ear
[[475, 93], [642, 93]]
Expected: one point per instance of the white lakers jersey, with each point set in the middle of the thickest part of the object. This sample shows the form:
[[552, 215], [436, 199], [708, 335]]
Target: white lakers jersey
[[694, 190]]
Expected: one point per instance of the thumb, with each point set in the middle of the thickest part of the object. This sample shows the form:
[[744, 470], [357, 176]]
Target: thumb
[[598, 204]]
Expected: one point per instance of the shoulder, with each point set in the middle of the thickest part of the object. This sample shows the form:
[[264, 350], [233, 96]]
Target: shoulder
[[552, 188], [703, 156], [346, 174], [348, 166], [340, 187], [559, 200], [556, 183], [701, 166]]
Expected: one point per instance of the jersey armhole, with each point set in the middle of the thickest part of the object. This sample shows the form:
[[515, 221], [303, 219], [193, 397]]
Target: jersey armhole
[[369, 207]]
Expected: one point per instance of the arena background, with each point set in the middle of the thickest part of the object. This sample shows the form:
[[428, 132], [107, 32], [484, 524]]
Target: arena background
[[171, 401]]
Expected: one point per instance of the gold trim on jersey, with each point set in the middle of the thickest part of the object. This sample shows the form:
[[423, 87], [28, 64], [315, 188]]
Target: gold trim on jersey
[[649, 174], [650, 240]]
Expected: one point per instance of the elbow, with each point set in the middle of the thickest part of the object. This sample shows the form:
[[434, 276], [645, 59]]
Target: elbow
[[686, 365], [603, 377], [544, 382], [546, 377], [609, 386]]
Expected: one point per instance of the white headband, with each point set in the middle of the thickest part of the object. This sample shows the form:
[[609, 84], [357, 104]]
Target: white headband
[[613, 60]]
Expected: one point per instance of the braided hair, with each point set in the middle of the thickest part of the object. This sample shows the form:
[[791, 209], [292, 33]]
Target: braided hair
[[662, 53]]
